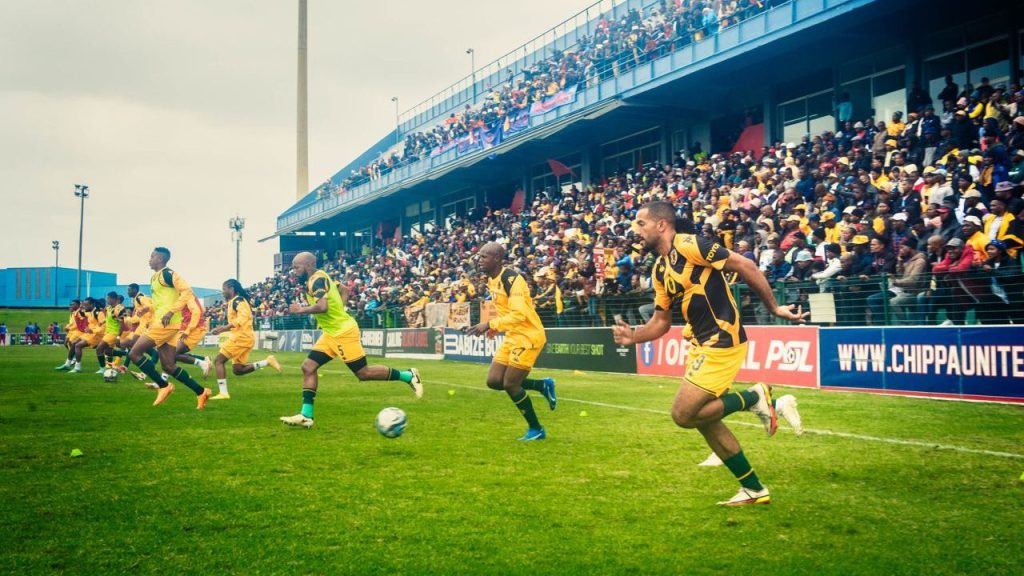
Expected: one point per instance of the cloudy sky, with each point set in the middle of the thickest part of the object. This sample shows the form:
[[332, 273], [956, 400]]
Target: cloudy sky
[[181, 114]]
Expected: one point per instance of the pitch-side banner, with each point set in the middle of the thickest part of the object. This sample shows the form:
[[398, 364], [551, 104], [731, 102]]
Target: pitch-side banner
[[785, 355], [969, 363], [459, 346], [373, 342], [413, 343], [586, 349]]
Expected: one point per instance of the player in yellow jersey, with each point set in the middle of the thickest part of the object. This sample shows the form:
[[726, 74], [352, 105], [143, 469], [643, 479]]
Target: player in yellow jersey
[[193, 328], [76, 322], [524, 338], [340, 338], [690, 271], [142, 314], [92, 334], [170, 293], [240, 341], [113, 316]]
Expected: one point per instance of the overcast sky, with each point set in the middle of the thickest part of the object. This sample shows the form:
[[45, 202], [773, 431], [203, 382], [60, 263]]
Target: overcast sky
[[180, 114]]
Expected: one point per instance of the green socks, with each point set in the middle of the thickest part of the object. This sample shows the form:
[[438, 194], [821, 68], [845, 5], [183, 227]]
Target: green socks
[[147, 367], [403, 375], [307, 403], [525, 407], [741, 469], [533, 384], [181, 376], [738, 401]]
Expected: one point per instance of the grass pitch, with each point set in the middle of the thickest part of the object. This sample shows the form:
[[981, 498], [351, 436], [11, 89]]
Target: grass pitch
[[230, 490]]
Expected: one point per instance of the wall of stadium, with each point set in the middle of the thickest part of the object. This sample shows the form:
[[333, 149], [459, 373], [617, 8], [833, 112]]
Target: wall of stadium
[[959, 363]]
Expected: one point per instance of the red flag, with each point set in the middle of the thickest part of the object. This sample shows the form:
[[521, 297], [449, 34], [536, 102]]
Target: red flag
[[398, 234], [518, 201], [559, 169]]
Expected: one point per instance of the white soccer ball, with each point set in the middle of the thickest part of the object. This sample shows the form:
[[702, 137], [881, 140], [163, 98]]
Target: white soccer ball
[[391, 422], [110, 375]]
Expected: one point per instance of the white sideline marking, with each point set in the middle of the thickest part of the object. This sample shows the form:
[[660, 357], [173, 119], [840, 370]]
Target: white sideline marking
[[820, 432]]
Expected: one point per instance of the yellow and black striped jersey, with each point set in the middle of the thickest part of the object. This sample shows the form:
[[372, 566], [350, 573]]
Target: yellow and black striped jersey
[[511, 296], [691, 275]]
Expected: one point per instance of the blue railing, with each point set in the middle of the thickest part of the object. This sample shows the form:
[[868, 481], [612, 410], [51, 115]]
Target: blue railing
[[684, 59]]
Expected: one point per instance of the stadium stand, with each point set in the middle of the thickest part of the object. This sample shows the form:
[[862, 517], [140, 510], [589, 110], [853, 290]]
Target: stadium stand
[[903, 202]]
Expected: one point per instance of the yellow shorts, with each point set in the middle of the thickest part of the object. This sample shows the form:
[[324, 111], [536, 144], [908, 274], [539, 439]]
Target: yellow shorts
[[140, 330], [346, 345], [194, 338], [72, 336], [161, 335], [518, 351], [713, 370], [110, 339], [237, 349], [92, 340]]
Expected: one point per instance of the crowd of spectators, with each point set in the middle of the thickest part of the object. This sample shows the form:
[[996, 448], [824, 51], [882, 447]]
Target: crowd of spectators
[[617, 46], [906, 216]]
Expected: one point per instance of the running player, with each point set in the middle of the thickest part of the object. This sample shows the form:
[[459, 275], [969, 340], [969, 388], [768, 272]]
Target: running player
[[92, 334], [240, 341], [76, 323], [142, 315], [340, 338], [113, 315], [689, 270], [524, 338], [170, 295], [193, 329]]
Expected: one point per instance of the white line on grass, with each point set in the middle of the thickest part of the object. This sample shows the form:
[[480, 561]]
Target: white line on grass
[[820, 432]]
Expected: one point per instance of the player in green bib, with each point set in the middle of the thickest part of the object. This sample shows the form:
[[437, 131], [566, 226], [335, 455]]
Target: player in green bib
[[107, 349], [340, 338], [170, 295]]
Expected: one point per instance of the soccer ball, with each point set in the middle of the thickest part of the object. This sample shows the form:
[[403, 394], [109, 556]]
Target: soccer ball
[[110, 375], [391, 422]]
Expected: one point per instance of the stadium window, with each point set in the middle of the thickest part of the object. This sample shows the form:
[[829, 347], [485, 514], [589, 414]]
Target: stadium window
[[453, 210], [17, 284], [542, 180], [631, 152]]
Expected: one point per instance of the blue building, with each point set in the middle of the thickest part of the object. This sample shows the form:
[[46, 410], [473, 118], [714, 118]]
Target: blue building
[[781, 71], [47, 287]]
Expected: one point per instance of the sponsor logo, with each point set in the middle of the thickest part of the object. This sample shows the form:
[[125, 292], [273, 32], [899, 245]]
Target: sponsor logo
[[458, 344]]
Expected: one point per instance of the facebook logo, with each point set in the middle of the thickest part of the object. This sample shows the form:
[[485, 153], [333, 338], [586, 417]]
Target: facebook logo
[[647, 353]]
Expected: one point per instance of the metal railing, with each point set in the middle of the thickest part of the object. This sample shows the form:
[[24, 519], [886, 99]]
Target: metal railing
[[979, 297], [637, 66]]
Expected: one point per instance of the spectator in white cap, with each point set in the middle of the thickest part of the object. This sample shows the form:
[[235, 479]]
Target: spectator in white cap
[[971, 205], [898, 226], [973, 235]]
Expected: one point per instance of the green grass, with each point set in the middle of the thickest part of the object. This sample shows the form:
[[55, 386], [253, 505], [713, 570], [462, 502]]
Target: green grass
[[230, 490], [16, 318]]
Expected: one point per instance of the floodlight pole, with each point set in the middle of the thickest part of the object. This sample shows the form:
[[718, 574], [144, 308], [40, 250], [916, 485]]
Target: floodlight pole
[[56, 269], [472, 69], [397, 137], [81, 191], [236, 224]]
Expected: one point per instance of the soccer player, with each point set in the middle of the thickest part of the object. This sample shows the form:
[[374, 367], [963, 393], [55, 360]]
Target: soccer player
[[524, 338], [113, 315], [340, 338], [193, 329], [142, 315], [241, 340], [170, 295], [76, 323], [92, 333], [690, 270]]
